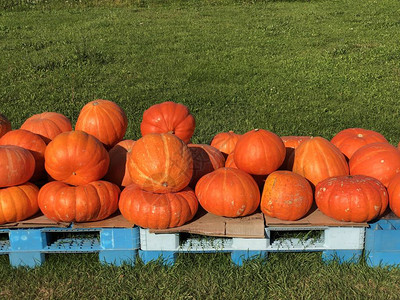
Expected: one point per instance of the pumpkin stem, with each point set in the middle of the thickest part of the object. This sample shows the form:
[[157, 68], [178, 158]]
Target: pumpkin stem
[[95, 103], [73, 173], [171, 131], [257, 129], [165, 184]]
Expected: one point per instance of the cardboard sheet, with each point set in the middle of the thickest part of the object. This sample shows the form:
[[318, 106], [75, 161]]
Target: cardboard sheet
[[114, 221], [37, 221]]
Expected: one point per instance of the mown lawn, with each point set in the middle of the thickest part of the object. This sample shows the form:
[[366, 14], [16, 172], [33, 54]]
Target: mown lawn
[[292, 67]]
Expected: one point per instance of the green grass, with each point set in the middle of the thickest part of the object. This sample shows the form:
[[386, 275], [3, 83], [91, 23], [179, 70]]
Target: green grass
[[292, 67]]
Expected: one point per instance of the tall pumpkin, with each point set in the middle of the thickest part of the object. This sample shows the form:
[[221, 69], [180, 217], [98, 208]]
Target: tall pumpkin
[[160, 163], [103, 119], [5, 125], [259, 152], [317, 159], [158, 211], [168, 117], [291, 142], [47, 125], [225, 142], [84, 203], [76, 158], [118, 169]]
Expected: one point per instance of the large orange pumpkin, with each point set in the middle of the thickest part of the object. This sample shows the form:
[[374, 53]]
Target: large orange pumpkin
[[394, 194], [89, 202], [160, 163], [158, 211], [378, 160], [286, 196], [17, 165], [317, 159], [228, 192], [351, 139], [351, 198], [291, 142], [206, 159], [47, 125], [103, 119], [5, 125], [18, 203], [168, 117], [259, 152], [31, 142], [76, 158], [225, 142], [118, 169]]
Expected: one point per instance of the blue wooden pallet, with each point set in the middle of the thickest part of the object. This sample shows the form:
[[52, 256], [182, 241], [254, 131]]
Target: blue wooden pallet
[[27, 247], [382, 243]]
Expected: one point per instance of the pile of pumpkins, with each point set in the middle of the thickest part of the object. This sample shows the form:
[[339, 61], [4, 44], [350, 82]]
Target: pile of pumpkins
[[164, 178]]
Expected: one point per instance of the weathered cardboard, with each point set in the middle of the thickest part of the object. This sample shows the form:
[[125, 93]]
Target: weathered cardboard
[[114, 221], [37, 221], [208, 224]]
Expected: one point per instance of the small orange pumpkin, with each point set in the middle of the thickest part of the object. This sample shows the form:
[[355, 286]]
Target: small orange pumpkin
[[225, 142]]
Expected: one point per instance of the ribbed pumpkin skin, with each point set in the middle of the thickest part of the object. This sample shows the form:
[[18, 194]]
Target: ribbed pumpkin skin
[[160, 163], [157, 211], [225, 141], [76, 158], [259, 152], [230, 161], [394, 194], [29, 141], [377, 160], [351, 198], [351, 139], [168, 117], [84, 203], [47, 125], [291, 142], [5, 125], [317, 159], [118, 169], [103, 119], [17, 165], [206, 159], [228, 192], [286, 196], [18, 203]]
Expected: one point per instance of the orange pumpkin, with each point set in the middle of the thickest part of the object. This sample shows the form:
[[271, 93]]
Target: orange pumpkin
[[76, 158], [158, 211], [317, 159], [286, 196], [394, 194], [259, 152], [5, 125], [225, 142], [168, 117], [377, 160], [160, 163], [205, 160], [351, 139], [228, 192], [103, 119], [291, 143], [230, 161], [351, 198], [31, 142], [84, 203], [118, 169], [47, 125], [17, 165]]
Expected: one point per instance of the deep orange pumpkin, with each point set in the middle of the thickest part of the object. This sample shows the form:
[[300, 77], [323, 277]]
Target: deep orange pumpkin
[[286, 196], [160, 163], [351, 198], [291, 142], [259, 152], [394, 194], [225, 141], [317, 159], [17, 165], [84, 203], [228, 192], [206, 159], [47, 125], [103, 119], [118, 169], [377, 160], [158, 211], [168, 117], [351, 139], [18, 203], [230, 161], [31, 142], [76, 158], [5, 125]]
